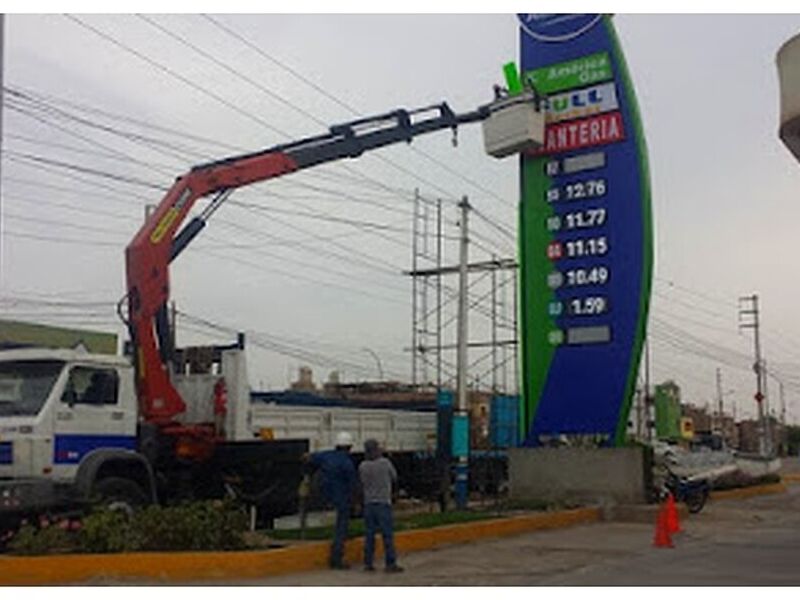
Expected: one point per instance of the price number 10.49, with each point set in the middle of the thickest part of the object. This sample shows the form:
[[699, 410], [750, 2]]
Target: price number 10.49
[[592, 276]]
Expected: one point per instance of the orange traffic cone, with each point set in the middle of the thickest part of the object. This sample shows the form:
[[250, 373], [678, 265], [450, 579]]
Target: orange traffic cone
[[673, 523], [662, 538]]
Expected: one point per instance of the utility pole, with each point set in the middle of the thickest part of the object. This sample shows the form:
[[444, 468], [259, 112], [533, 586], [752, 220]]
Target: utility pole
[[783, 437], [751, 315], [462, 467], [494, 328], [767, 412], [439, 258], [414, 250], [514, 299], [2, 83], [639, 406], [648, 400], [504, 350], [719, 400]]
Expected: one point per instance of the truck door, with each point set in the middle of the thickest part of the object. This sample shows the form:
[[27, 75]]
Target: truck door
[[90, 415]]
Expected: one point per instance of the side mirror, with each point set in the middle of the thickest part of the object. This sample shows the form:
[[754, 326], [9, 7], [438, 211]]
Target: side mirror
[[70, 398]]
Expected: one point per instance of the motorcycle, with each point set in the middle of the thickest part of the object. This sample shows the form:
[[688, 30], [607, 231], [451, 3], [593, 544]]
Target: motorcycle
[[692, 491]]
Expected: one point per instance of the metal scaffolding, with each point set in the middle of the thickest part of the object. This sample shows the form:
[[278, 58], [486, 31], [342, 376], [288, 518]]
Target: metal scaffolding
[[492, 311]]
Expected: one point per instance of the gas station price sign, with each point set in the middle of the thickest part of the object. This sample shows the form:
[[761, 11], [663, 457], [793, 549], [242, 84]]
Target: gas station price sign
[[585, 232]]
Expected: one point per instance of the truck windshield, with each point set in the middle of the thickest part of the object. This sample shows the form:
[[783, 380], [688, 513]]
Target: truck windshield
[[25, 385]]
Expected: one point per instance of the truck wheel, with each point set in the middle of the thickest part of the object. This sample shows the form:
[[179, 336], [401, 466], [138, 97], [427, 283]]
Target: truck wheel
[[116, 493]]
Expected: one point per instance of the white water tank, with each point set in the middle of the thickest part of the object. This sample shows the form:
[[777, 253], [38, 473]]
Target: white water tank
[[788, 60]]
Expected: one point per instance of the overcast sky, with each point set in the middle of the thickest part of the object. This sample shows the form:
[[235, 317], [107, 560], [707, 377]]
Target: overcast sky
[[726, 192]]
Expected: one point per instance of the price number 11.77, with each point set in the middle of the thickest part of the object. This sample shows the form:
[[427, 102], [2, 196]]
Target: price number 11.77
[[592, 217]]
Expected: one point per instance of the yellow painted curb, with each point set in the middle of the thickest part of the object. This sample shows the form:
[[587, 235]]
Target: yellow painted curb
[[204, 566], [749, 492], [791, 478]]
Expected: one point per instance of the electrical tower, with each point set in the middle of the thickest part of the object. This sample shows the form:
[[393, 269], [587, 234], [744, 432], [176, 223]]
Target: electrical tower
[[749, 318]]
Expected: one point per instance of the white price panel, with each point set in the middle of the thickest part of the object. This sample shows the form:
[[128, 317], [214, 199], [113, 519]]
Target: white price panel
[[595, 246], [578, 190], [586, 276], [584, 219], [589, 306]]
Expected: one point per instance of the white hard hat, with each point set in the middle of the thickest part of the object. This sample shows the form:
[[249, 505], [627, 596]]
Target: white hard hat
[[343, 438]]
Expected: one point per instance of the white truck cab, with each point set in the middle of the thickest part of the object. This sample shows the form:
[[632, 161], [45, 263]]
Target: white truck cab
[[59, 409], [71, 434], [56, 406]]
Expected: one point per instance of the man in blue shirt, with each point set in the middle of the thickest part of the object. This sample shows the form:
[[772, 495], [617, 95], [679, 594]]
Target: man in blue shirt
[[338, 481]]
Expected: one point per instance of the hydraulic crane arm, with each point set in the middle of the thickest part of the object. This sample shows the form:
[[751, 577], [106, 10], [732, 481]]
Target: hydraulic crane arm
[[158, 242]]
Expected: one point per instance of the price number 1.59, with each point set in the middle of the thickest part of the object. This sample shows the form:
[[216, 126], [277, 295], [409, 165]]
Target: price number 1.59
[[589, 306]]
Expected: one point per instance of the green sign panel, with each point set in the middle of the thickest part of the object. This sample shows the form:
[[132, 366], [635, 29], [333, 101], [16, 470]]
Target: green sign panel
[[583, 71], [46, 336], [585, 234]]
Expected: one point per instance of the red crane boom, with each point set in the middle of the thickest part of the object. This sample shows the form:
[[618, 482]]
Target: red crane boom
[[159, 242]]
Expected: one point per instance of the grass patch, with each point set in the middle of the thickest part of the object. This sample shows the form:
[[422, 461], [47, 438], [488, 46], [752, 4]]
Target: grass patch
[[537, 505], [402, 523]]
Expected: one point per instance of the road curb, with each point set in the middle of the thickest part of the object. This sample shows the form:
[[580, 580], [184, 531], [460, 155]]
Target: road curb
[[790, 478], [749, 492], [208, 566]]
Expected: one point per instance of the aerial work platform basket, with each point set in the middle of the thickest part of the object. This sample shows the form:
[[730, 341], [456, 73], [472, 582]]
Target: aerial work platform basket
[[515, 124]]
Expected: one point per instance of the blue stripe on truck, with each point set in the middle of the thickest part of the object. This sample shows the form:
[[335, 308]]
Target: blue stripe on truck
[[6, 453], [70, 449]]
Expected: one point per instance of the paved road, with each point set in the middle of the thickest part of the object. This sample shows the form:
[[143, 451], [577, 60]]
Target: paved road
[[734, 542]]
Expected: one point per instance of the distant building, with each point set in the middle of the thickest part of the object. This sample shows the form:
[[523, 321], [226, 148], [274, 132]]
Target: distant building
[[305, 381], [729, 431], [700, 417], [749, 434], [391, 394]]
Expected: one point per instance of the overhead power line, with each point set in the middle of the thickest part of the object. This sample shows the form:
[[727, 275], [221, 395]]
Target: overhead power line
[[164, 69], [351, 109], [26, 157], [63, 240], [170, 72]]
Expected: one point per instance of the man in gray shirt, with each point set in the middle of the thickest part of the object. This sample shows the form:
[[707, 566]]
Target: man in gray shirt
[[377, 474]]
